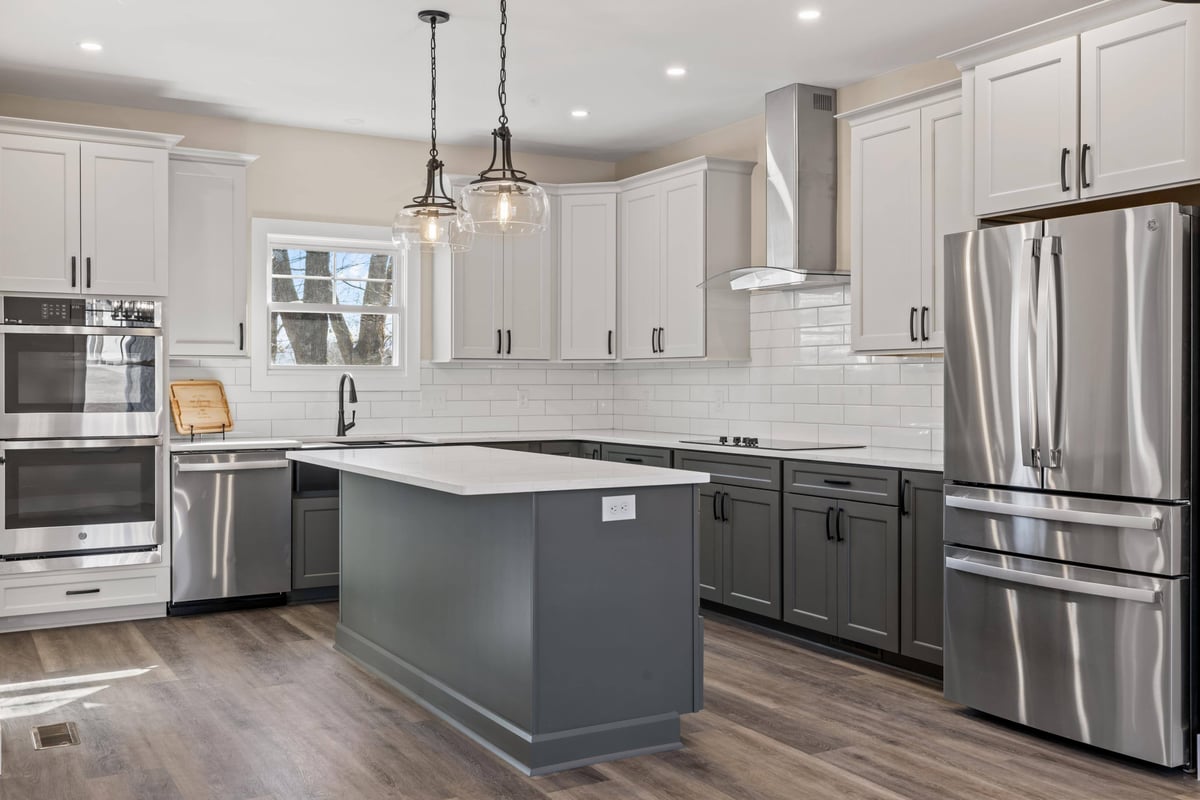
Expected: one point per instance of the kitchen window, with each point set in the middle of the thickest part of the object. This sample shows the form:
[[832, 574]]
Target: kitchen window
[[328, 298]]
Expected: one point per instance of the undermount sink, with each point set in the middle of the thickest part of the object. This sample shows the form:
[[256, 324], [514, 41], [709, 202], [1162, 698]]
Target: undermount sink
[[329, 445]]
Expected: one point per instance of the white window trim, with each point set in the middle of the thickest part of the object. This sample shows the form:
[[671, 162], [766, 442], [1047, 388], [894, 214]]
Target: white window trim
[[265, 235]]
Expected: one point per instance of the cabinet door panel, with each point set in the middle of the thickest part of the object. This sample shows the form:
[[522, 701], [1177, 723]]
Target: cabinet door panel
[[640, 271], [711, 544], [477, 295], [886, 249], [683, 209], [315, 550], [810, 561], [868, 574], [207, 259], [588, 276], [528, 302], [944, 208], [39, 213], [1139, 101], [752, 549], [123, 219], [1025, 116], [921, 567]]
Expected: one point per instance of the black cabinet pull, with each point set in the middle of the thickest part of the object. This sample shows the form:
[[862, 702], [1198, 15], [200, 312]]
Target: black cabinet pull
[[1083, 181], [633, 460], [241, 336], [88, 262], [904, 506], [73, 270], [661, 331], [508, 348], [837, 482], [716, 508], [829, 523], [499, 341], [924, 318], [1062, 168], [840, 535], [912, 323], [653, 340], [610, 335], [73, 592], [724, 507]]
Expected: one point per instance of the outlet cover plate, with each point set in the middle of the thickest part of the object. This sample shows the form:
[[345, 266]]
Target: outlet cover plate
[[618, 507]]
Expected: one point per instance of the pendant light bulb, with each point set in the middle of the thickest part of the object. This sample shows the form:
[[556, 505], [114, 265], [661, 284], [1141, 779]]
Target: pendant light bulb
[[432, 234], [504, 209]]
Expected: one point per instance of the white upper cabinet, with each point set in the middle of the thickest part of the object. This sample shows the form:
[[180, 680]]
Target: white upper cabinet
[[906, 194], [1025, 128], [528, 296], [640, 272], [209, 253], [82, 209], [681, 331], [587, 263], [1139, 102], [477, 300], [39, 214]]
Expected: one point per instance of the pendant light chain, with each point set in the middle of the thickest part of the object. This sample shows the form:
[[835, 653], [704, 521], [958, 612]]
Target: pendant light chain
[[433, 150], [502, 92]]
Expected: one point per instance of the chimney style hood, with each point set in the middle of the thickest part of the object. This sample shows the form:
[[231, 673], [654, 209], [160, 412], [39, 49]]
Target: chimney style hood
[[801, 194]]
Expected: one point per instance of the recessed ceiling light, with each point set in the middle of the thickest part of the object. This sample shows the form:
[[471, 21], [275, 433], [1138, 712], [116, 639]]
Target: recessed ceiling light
[[676, 72], [809, 14], [91, 47], [579, 113]]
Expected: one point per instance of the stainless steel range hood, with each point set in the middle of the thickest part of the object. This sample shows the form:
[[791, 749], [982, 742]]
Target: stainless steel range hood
[[801, 194]]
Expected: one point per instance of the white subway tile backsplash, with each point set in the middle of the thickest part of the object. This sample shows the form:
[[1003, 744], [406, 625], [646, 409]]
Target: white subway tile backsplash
[[900, 395]]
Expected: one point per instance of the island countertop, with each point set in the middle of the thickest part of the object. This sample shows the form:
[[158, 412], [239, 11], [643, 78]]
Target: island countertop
[[484, 471]]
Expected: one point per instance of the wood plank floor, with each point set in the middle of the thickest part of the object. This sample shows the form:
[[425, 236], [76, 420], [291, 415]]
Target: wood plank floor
[[256, 704]]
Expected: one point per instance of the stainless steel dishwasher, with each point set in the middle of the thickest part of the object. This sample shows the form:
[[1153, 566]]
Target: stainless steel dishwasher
[[231, 534]]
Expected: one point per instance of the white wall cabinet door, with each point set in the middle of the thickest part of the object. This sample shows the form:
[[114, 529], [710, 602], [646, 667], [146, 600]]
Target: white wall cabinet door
[[123, 219], [478, 300], [588, 276], [528, 299], [39, 214], [886, 232], [944, 209], [1139, 102], [683, 209], [640, 268], [1026, 127], [208, 259]]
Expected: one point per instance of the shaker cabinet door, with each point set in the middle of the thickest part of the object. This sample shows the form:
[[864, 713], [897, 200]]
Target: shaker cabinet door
[[752, 549], [39, 214], [588, 276], [712, 543], [681, 333], [477, 296], [527, 296], [810, 563], [921, 566], [640, 270], [868, 574]]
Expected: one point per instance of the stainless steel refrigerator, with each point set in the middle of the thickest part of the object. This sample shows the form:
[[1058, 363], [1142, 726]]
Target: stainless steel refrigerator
[[1068, 471]]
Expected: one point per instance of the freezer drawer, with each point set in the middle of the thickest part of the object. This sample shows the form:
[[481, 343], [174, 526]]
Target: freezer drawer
[[1139, 537], [1089, 654]]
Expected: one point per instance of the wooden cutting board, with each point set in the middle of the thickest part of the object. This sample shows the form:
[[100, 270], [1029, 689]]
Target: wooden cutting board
[[200, 407]]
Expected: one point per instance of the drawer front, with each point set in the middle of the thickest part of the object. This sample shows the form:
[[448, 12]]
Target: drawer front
[[867, 484], [570, 449], [648, 456], [48, 594], [749, 471]]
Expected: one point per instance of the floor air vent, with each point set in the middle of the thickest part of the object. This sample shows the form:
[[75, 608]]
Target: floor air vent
[[60, 734]]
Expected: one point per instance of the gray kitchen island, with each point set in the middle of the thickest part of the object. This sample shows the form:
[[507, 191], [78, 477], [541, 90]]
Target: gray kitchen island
[[487, 585]]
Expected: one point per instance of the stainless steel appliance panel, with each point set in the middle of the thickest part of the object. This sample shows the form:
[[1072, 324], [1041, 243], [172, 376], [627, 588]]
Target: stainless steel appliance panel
[[1089, 654], [79, 496], [232, 534], [1112, 350], [1140, 537], [989, 356]]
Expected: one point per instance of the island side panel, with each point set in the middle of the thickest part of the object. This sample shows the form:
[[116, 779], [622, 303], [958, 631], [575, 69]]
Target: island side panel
[[616, 625], [444, 584]]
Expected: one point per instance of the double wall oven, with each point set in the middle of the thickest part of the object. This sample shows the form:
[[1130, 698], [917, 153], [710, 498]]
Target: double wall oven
[[81, 417]]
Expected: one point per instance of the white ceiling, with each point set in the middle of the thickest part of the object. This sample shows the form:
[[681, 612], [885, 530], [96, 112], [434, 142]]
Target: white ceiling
[[362, 65]]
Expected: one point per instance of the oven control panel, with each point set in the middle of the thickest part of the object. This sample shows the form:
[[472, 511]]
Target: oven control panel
[[101, 312]]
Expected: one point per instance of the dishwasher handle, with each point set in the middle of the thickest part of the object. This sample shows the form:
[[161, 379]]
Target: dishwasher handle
[[233, 466], [1073, 585]]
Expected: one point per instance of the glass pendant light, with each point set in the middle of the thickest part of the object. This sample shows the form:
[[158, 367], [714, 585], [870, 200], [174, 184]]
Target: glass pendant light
[[433, 219], [503, 200]]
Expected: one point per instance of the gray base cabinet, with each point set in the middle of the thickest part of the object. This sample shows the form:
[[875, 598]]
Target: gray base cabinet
[[630, 454], [712, 544], [314, 542], [868, 538], [751, 555], [921, 566], [810, 571]]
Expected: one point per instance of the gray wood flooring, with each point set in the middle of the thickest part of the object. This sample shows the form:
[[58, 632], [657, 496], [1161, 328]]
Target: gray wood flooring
[[256, 704]]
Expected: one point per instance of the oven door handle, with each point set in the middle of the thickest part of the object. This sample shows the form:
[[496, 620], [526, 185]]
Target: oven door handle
[[1072, 585], [82, 330], [78, 444], [1150, 523], [233, 466]]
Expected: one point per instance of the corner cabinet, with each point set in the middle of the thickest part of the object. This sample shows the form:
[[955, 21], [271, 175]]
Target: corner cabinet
[[680, 226], [82, 209], [587, 275], [906, 194], [209, 253]]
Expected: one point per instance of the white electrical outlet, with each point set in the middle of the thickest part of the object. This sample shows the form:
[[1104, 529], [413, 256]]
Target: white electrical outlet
[[614, 509], [522, 398]]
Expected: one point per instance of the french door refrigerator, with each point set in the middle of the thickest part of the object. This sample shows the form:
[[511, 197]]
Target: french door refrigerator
[[1068, 464]]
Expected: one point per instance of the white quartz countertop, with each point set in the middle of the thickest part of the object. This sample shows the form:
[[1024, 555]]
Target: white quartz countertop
[[484, 470], [891, 457]]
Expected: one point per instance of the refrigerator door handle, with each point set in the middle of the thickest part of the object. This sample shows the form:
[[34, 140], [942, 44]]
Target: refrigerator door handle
[[1049, 356], [1152, 522], [1072, 585], [1027, 316]]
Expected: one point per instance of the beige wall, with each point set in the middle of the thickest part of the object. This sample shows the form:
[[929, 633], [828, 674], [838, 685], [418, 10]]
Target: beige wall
[[745, 140]]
